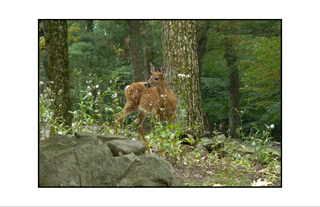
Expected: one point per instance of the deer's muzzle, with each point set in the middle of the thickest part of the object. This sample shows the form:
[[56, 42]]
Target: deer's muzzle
[[147, 85]]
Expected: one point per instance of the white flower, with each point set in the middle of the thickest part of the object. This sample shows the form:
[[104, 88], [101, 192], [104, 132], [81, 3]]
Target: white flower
[[97, 86], [59, 132], [271, 126], [188, 76], [96, 111], [98, 92], [88, 86], [41, 82], [89, 94], [87, 81], [114, 95]]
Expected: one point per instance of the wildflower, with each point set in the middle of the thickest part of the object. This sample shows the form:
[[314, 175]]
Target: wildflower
[[271, 126], [114, 95], [96, 111], [241, 112], [89, 94], [59, 132], [41, 82], [97, 86], [98, 93], [87, 81], [188, 76]]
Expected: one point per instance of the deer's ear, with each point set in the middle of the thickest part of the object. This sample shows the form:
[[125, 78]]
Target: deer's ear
[[152, 68], [163, 71]]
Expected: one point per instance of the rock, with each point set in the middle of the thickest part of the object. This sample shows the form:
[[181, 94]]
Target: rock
[[212, 144], [274, 167], [72, 162], [220, 137], [245, 150], [186, 149], [191, 156], [79, 135], [235, 144], [253, 158], [201, 150], [109, 137], [222, 153], [88, 161], [127, 146], [153, 171]]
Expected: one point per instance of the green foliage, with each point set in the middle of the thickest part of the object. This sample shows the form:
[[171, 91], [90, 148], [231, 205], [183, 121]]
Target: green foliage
[[258, 50], [257, 45], [258, 139], [166, 139]]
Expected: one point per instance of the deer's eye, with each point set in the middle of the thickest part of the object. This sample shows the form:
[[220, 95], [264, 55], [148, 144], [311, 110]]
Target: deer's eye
[[156, 78]]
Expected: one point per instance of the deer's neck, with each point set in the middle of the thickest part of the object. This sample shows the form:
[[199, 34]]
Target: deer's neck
[[165, 93]]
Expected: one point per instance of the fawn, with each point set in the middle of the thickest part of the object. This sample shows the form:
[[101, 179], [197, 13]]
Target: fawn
[[148, 96]]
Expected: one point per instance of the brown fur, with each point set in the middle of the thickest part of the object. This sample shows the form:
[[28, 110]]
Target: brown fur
[[157, 97]]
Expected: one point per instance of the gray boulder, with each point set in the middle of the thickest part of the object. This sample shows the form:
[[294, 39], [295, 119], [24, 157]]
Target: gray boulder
[[88, 161], [127, 146]]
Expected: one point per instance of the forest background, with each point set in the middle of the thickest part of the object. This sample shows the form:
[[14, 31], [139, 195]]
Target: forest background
[[300, 83], [100, 50]]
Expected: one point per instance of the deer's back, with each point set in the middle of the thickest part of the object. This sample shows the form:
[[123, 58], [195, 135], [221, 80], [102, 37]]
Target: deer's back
[[144, 98]]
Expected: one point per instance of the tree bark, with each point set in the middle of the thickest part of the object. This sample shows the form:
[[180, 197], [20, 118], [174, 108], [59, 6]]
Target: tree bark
[[56, 37], [89, 25], [233, 88], [148, 53], [135, 50], [202, 30], [181, 62]]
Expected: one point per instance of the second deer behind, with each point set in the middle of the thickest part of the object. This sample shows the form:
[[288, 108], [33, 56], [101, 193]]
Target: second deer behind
[[153, 95]]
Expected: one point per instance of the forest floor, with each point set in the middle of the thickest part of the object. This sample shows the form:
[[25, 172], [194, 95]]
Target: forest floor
[[212, 171], [204, 172]]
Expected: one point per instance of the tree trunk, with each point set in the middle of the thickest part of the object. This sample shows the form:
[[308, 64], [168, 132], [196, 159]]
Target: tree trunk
[[135, 50], [233, 88], [202, 30], [89, 25], [181, 62], [56, 36], [148, 53], [148, 57]]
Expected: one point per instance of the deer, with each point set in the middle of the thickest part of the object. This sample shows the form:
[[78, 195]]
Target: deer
[[148, 97]]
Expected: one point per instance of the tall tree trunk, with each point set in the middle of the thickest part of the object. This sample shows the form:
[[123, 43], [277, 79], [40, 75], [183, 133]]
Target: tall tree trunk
[[56, 36], [89, 25], [181, 62], [135, 50], [202, 30], [148, 52], [233, 88], [148, 57]]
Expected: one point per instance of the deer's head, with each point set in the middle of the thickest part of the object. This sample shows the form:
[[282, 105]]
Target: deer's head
[[157, 79]]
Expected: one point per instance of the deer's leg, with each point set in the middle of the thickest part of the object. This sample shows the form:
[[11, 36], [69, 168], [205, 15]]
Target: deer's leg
[[128, 109], [139, 123]]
